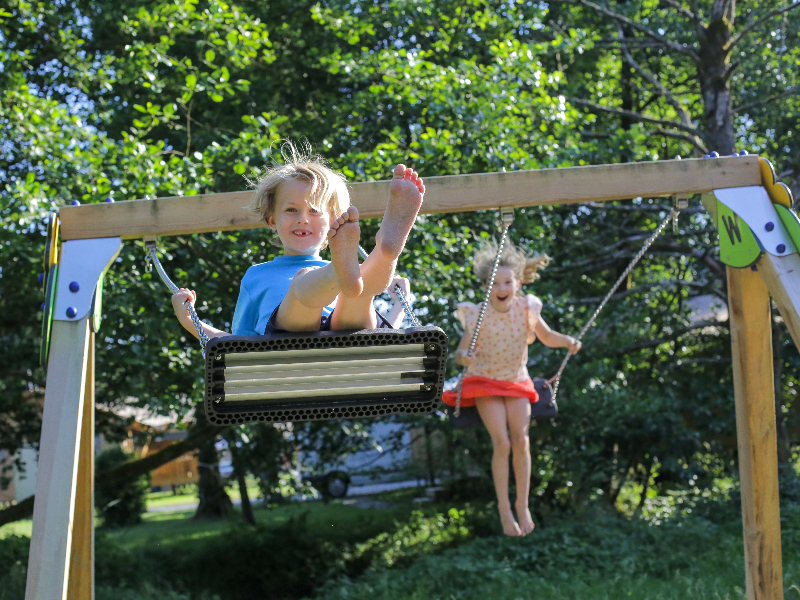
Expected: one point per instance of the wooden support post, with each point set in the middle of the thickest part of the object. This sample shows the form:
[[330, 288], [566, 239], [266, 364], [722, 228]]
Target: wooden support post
[[751, 341], [81, 565], [51, 539], [782, 276]]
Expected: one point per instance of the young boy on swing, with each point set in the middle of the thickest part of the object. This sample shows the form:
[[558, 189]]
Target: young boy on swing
[[308, 206]]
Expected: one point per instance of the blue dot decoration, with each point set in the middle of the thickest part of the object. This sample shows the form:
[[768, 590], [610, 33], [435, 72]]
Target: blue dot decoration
[[72, 312], [109, 199], [74, 286], [706, 156], [714, 154], [75, 203], [743, 153], [769, 226], [781, 248]]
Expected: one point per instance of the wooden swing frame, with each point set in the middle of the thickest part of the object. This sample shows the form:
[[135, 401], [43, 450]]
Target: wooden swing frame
[[61, 563]]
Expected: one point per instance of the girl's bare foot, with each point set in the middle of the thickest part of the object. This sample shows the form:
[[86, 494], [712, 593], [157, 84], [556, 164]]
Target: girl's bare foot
[[526, 523], [510, 526], [343, 238], [405, 198]]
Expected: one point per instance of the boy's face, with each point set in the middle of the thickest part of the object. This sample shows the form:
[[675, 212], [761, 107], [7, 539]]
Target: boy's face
[[301, 228]]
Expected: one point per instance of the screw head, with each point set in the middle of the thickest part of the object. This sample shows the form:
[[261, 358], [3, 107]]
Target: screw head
[[74, 286], [218, 357], [109, 199], [769, 226], [743, 153], [781, 248], [431, 347], [72, 312], [706, 156], [75, 203], [714, 154]]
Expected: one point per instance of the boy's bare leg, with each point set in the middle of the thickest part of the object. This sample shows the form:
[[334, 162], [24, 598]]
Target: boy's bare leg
[[311, 290], [405, 198], [343, 239]]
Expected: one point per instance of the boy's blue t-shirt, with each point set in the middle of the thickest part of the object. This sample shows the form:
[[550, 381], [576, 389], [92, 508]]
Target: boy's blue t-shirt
[[263, 288]]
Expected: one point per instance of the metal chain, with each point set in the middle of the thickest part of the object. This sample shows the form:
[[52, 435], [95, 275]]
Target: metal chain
[[553, 381], [151, 258], [486, 300], [400, 295]]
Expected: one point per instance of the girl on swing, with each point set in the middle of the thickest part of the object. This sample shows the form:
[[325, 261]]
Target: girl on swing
[[497, 379]]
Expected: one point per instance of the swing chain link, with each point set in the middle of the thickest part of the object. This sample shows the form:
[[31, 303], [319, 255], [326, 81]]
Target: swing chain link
[[507, 216], [151, 258], [673, 217]]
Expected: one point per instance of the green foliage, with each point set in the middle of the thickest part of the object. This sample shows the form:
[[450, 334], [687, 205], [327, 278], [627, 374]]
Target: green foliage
[[595, 555], [119, 505]]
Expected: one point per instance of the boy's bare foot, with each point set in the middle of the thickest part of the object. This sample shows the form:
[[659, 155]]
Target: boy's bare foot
[[526, 523], [343, 238], [405, 198], [510, 526]]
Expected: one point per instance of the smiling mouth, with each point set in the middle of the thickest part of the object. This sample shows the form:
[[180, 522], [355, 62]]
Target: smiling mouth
[[300, 233], [502, 298]]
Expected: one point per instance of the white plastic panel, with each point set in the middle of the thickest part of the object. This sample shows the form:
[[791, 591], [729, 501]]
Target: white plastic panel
[[754, 207]]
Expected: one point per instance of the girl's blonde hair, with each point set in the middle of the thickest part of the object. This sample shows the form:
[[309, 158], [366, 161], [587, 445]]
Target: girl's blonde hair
[[524, 264], [327, 189]]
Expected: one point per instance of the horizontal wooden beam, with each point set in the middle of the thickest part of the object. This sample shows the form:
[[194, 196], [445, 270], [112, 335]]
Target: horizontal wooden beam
[[453, 193]]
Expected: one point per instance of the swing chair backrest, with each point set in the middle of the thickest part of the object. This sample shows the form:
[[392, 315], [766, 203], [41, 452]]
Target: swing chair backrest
[[324, 375]]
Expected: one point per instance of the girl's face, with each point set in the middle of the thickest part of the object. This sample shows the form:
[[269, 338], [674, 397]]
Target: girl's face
[[504, 289], [301, 228]]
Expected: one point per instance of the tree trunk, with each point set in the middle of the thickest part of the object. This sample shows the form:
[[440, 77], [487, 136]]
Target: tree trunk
[[241, 473], [714, 75], [214, 500]]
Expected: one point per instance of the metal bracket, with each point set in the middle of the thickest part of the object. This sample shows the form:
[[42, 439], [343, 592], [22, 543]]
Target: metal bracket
[[82, 264], [507, 216]]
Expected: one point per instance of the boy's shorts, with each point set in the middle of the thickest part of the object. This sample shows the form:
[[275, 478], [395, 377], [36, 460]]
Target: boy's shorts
[[324, 323]]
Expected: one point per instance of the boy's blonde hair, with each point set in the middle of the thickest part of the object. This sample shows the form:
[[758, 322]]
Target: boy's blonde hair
[[524, 264], [327, 189]]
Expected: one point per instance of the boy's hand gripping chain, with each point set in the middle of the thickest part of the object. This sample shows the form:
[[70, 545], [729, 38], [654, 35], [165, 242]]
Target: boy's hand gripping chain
[[400, 295], [151, 258], [507, 215], [673, 217]]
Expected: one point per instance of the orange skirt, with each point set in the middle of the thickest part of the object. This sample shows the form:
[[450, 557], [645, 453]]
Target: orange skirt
[[477, 387]]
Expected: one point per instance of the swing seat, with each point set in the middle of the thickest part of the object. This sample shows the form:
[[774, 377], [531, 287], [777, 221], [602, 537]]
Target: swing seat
[[545, 408], [324, 375]]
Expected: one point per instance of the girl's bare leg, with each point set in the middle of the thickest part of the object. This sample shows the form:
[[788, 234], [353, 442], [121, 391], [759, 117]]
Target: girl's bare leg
[[493, 413], [518, 413], [405, 198]]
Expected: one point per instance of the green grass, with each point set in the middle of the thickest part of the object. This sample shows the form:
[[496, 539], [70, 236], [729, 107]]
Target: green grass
[[593, 557], [330, 521]]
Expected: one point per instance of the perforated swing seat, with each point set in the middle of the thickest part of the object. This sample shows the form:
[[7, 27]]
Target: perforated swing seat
[[324, 375]]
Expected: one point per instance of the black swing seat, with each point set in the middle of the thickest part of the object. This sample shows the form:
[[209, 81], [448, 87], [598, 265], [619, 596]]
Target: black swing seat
[[544, 408], [324, 375]]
